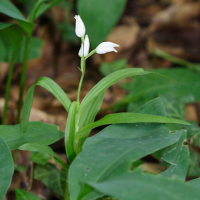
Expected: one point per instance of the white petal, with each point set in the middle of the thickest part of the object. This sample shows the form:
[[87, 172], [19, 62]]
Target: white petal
[[86, 46], [80, 53], [106, 47], [80, 27]]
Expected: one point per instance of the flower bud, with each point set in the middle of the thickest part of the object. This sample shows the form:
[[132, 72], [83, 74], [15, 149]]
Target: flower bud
[[80, 27], [86, 47], [106, 47]]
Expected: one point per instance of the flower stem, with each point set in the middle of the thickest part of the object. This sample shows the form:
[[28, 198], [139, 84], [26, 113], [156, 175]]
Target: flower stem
[[82, 76], [23, 76], [13, 56], [67, 189]]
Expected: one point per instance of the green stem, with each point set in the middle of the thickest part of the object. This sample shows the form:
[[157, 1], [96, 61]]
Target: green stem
[[13, 56], [82, 76], [32, 16], [23, 76]]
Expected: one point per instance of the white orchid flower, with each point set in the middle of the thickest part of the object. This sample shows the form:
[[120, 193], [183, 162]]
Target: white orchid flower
[[80, 27], [106, 47], [86, 47]]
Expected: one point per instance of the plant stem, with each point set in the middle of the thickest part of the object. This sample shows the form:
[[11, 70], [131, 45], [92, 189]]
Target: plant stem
[[82, 76], [13, 56], [23, 76]]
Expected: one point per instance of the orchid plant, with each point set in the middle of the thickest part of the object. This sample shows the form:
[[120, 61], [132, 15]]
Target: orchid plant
[[103, 165]]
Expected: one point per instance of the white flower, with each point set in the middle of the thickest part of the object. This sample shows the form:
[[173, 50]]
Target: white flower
[[106, 47], [80, 27], [86, 47]]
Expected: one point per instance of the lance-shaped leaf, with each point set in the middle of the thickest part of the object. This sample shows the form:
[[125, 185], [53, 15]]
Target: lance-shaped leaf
[[45, 149], [109, 80], [178, 156], [9, 9], [37, 132], [123, 118], [70, 131], [53, 88], [24, 195], [88, 115], [6, 168]]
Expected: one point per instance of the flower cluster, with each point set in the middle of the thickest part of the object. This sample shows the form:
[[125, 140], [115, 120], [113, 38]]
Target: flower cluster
[[102, 48]]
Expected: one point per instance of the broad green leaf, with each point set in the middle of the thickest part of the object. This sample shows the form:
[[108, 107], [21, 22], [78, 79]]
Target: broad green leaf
[[109, 80], [54, 179], [45, 149], [9, 9], [53, 88], [96, 162], [37, 132], [123, 131], [40, 157], [178, 156], [176, 60], [97, 18], [108, 68], [195, 183], [146, 186], [123, 118], [186, 88], [70, 131], [6, 168], [24, 195]]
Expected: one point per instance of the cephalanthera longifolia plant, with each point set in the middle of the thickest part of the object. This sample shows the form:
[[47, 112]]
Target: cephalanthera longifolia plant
[[105, 165]]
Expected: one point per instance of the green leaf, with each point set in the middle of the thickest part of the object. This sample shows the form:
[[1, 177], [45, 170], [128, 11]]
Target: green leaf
[[9, 9], [97, 18], [146, 186], [45, 7], [108, 81], [6, 168], [123, 118], [195, 183], [108, 68], [178, 156], [13, 33], [153, 107], [193, 168], [24, 195], [37, 132], [40, 157], [174, 107], [185, 88], [53, 88], [87, 116], [96, 162], [70, 131], [54, 179], [45, 149]]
